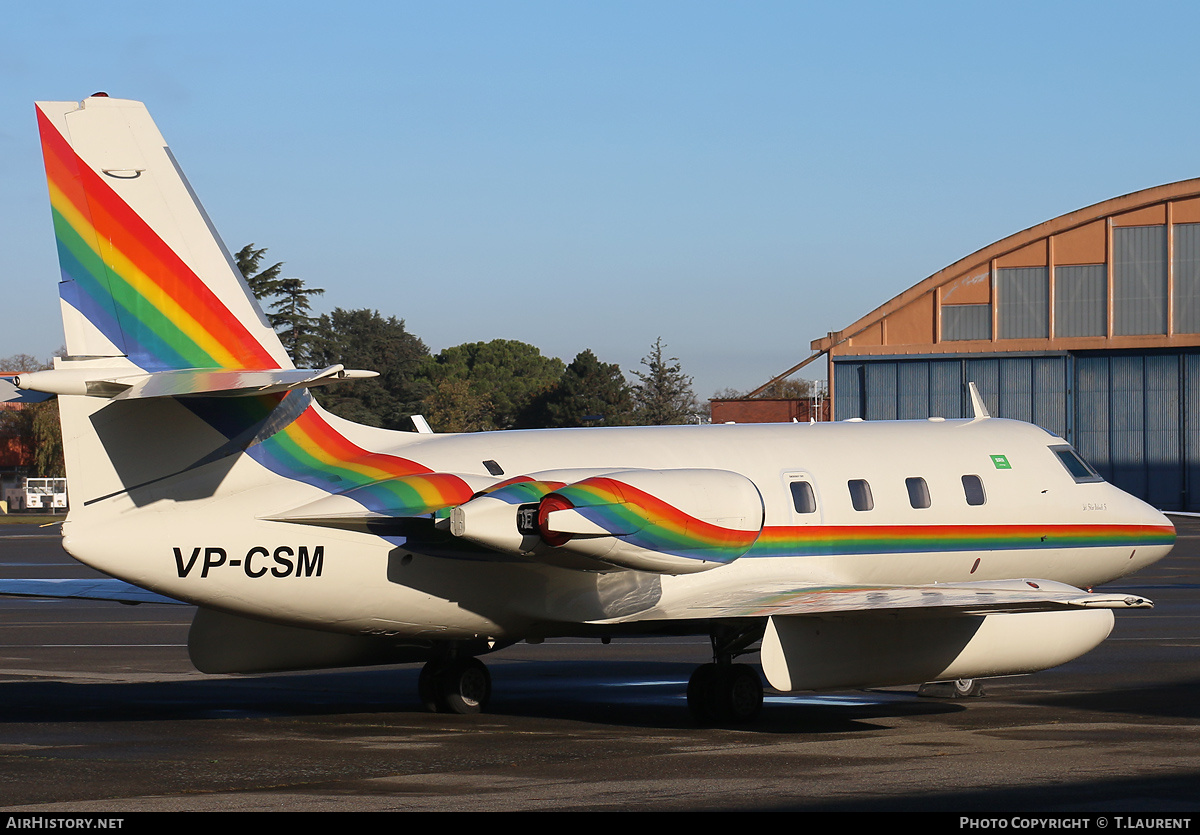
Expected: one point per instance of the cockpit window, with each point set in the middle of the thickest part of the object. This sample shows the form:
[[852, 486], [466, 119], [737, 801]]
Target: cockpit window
[[1079, 469]]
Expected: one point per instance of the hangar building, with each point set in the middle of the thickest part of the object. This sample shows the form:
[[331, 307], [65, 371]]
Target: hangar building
[[1087, 324]]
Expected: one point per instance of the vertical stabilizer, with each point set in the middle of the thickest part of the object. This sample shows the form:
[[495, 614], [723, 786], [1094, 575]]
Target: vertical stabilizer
[[144, 274]]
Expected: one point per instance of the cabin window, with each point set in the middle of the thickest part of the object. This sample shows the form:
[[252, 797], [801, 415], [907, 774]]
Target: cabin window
[[803, 498], [1079, 469], [860, 494], [918, 492], [973, 489]]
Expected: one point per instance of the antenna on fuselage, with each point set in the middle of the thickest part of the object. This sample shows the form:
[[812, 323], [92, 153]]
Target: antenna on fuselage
[[978, 408]]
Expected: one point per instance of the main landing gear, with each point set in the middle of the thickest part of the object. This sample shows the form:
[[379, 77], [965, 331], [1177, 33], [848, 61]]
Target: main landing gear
[[723, 692], [455, 685]]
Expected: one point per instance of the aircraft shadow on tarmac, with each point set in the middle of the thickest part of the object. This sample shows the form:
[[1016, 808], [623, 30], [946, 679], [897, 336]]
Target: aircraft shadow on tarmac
[[633, 694]]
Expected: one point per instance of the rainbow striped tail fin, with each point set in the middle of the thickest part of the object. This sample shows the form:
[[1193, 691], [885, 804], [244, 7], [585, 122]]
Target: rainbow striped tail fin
[[172, 367], [144, 273]]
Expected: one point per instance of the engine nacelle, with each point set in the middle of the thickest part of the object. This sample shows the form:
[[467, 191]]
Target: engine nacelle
[[666, 521]]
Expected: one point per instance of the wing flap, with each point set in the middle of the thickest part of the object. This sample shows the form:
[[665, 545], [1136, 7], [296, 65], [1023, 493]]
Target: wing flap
[[981, 598]]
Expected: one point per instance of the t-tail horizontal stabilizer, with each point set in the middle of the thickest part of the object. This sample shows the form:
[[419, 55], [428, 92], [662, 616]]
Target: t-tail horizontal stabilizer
[[121, 384]]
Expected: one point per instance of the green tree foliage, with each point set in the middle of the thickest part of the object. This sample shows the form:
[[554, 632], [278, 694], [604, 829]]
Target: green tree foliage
[[589, 393], [664, 393], [364, 339], [454, 407], [263, 283], [508, 374], [288, 301], [46, 430], [35, 427], [291, 318]]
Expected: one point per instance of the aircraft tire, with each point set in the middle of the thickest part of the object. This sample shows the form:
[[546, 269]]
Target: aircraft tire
[[702, 694], [725, 694], [429, 687], [465, 686], [965, 688], [741, 694]]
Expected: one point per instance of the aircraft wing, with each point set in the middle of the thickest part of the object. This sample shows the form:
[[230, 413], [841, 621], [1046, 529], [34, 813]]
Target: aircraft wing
[[989, 597], [99, 589]]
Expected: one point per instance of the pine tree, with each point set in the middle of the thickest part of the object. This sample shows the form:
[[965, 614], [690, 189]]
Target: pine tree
[[664, 395], [590, 393], [287, 300], [291, 320], [263, 283], [364, 339]]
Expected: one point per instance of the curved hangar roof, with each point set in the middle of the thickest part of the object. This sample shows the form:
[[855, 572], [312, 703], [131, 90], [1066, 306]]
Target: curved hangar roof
[[1121, 274]]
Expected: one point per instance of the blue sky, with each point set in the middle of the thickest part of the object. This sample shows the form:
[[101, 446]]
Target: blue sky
[[738, 178]]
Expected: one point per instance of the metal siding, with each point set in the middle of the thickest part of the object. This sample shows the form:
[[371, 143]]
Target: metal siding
[[912, 390], [1163, 433], [847, 390], [1080, 300], [966, 321], [1091, 412], [945, 388], [1187, 277], [1016, 389], [1140, 280], [1127, 424], [985, 374], [1191, 431], [1023, 310], [880, 391], [1050, 394]]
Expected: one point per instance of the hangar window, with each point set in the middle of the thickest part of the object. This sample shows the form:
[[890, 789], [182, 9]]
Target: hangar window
[[1081, 300], [1139, 280], [961, 322], [860, 494], [918, 492], [1187, 277], [1024, 303], [973, 489], [802, 497]]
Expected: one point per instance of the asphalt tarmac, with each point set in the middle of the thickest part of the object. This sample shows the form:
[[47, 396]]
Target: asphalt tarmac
[[101, 711]]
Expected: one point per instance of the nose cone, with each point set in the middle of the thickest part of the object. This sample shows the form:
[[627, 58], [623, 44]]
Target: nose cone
[[1154, 535]]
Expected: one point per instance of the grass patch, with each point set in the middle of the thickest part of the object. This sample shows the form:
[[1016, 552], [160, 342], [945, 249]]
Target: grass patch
[[30, 518]]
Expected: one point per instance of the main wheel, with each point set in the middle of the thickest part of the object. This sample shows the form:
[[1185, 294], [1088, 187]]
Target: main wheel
[[742, 694], [429, 686], [720, 693], [466, 686], [460, 686], [702, 694]]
